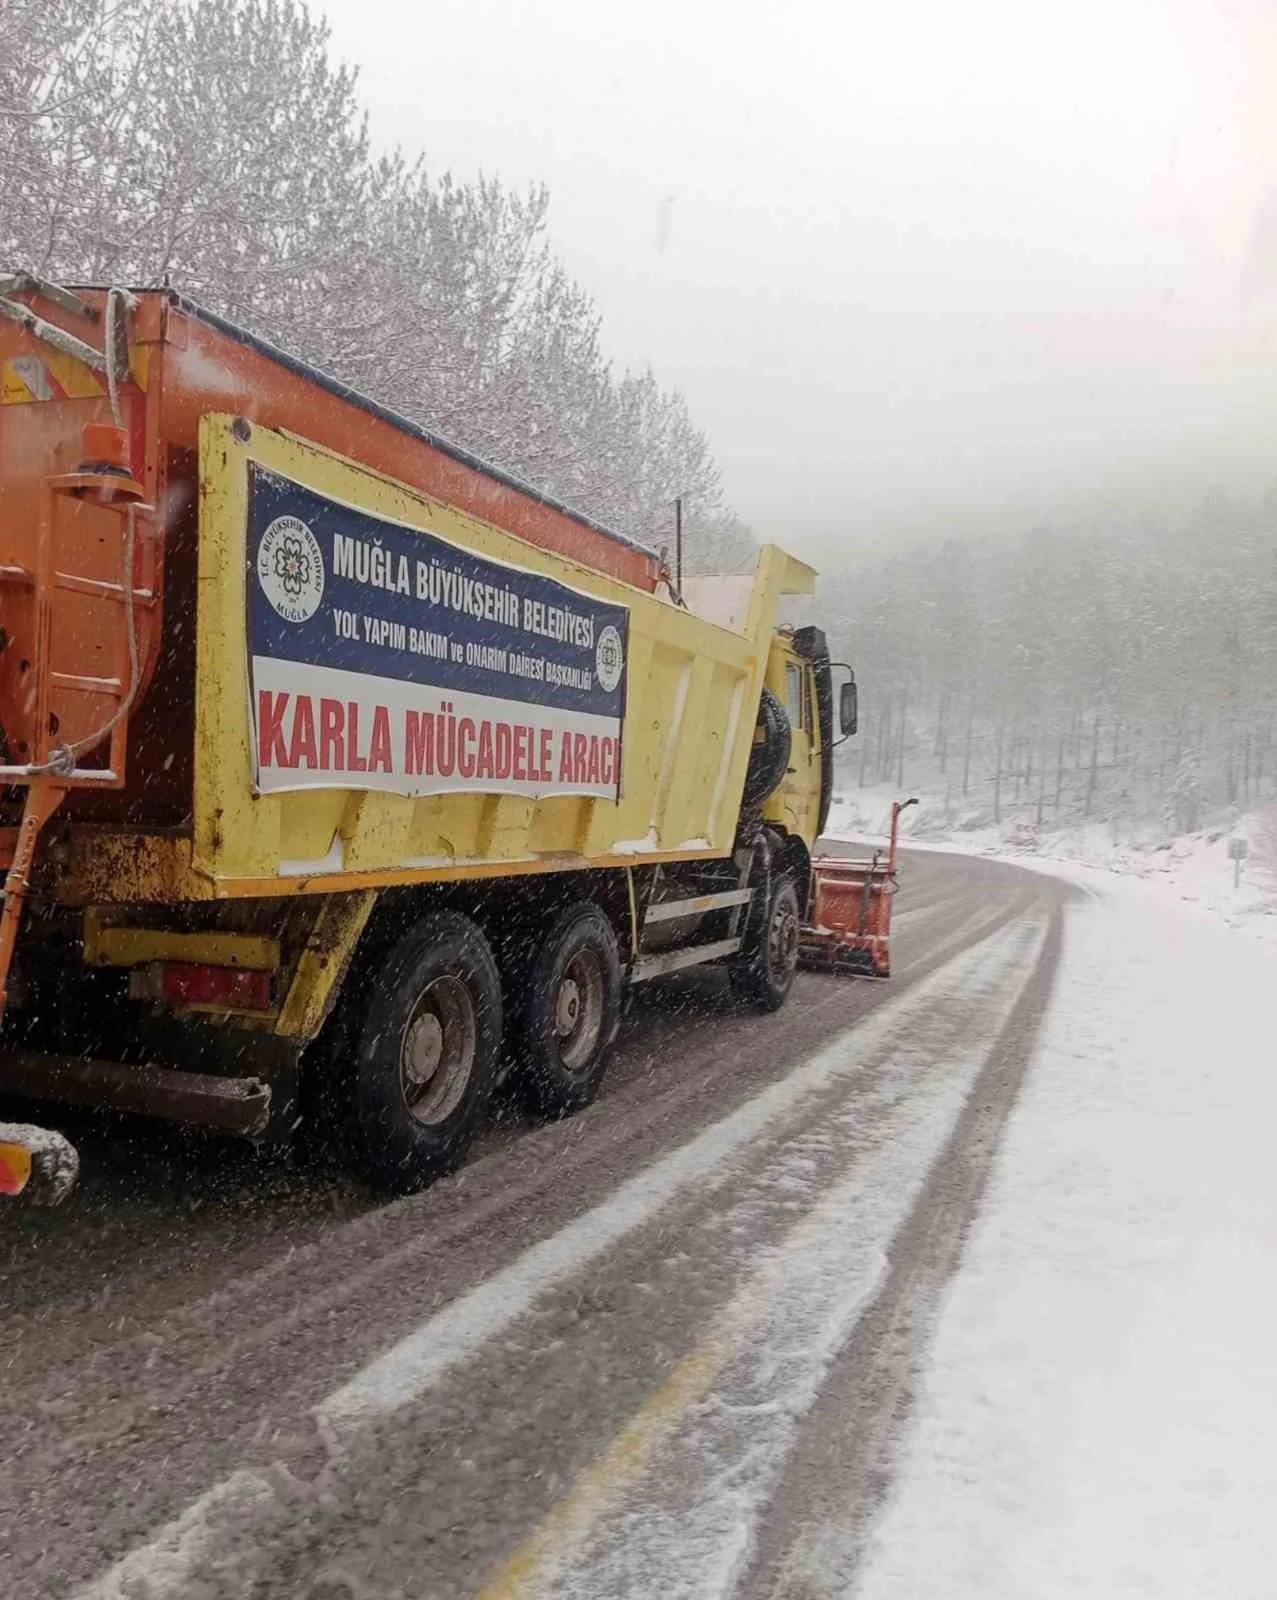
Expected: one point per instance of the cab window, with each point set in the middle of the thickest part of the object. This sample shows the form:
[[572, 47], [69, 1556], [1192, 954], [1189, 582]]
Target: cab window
[[795, 696]]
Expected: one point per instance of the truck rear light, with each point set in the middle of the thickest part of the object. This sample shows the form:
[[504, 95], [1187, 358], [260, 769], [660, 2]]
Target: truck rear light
[[188, 983], [15, 1167], [36, 1163]]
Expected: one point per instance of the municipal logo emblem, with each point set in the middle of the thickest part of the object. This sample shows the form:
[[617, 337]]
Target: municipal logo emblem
[[290, 569], [609, 659]]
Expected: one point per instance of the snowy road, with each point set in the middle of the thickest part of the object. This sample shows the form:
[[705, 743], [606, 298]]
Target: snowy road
[[649, 1352]]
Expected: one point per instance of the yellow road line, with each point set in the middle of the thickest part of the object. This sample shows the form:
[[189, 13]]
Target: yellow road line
[[530, 1570], [568, 1523]]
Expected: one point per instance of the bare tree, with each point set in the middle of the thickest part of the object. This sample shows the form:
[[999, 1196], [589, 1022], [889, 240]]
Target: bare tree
[[217, 144]]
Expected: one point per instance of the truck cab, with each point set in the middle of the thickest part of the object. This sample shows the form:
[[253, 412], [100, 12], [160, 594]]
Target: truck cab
[[796, 802], [800, 676]]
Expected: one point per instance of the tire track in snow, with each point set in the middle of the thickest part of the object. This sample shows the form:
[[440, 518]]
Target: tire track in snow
[[396, 1378], [671, 1508], [225, 1518], [841, 1468], [193, 1338], [228, 1379]]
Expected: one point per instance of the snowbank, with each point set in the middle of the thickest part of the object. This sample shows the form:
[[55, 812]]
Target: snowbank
[[1096, 1419], [1193, 868]]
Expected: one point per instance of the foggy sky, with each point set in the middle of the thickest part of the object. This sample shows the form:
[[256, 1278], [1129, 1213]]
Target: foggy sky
[[927, 260]]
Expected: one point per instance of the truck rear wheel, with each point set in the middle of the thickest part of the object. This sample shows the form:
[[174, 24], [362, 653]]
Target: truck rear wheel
[[765, 973], [427, 1053], [565, 1013]]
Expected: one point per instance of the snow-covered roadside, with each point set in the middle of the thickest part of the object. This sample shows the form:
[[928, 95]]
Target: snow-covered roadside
[[1193, 869], [1097, 1414]]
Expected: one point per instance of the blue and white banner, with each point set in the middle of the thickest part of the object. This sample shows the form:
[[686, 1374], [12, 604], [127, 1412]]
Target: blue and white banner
[[382, 657]]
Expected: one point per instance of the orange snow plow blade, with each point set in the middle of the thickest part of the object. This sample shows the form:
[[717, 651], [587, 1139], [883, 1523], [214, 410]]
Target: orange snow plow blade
[[850, 926]]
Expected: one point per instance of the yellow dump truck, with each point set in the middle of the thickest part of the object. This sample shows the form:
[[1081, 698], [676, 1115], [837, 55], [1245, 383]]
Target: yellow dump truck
[[341, 771]]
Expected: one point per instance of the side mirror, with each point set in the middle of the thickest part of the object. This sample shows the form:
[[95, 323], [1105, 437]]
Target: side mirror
[[848, 708]]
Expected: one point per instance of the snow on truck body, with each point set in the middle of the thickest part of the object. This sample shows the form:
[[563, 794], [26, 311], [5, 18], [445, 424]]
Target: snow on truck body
[[287, 683]]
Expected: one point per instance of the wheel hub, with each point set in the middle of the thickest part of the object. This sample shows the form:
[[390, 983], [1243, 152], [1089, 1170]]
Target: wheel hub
[[578, 1010], [783, 940], [437, 1050], [423, 1050], [567, 1009]]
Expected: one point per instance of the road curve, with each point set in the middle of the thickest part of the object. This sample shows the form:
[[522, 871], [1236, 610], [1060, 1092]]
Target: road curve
[[662, 1349]]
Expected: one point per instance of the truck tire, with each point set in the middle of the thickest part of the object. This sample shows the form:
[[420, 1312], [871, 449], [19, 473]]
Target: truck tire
[[426, 1055], [765, 973], [769, 757], [565, 1012]]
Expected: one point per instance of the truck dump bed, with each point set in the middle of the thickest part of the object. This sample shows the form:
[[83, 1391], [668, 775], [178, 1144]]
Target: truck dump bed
[[347, 655], [174, 364]]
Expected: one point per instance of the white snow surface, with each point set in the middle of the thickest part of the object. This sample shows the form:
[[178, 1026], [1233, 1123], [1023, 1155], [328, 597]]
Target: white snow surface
[[1097, 1416], [1183, 869]]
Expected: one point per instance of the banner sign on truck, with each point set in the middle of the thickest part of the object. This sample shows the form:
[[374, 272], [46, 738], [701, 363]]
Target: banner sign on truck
[[382, 657]]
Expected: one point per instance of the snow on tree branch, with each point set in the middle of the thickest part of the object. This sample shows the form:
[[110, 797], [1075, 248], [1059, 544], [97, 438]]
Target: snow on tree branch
[[216, 143]]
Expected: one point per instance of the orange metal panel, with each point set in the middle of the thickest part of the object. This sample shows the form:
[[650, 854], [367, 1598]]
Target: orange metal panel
[[183, 364], [205, 369]]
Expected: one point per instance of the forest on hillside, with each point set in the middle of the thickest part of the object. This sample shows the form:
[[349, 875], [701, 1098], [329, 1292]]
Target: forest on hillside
[[1116, 665], [1117, 668], [216, 144]]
